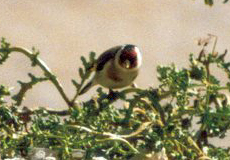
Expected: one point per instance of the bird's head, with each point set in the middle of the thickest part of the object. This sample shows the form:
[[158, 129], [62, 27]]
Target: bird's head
[[129, 57]]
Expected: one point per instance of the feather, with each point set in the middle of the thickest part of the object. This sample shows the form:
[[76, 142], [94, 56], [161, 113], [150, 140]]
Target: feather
[[106, 56]]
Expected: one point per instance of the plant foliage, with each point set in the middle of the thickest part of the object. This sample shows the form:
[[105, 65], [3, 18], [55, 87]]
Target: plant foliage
[[148, 122], [211, 2]]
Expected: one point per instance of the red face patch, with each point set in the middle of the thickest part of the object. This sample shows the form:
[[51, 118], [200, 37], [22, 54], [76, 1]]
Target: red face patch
[[128, 57]]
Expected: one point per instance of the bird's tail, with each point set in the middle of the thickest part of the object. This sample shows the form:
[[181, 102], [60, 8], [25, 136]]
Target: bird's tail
[[87, 87]]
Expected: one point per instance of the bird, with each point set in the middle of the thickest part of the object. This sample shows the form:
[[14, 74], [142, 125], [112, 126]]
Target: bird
[[116, 68]]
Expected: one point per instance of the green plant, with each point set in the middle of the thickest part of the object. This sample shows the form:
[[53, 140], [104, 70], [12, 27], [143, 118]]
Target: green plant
[[211, 2], [151, 120]]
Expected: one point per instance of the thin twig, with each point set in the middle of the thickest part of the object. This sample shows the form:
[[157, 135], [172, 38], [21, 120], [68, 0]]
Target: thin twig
[[113, 136], [215, 42], [122, 140], [27, 111], [46, 70]]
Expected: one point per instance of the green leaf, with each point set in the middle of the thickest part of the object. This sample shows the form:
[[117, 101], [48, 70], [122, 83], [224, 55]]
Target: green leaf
[[197, 73], [209, 2], [4, 51], [4, 91], [92, 57], [77, 85], [81, 73], [228, 85], [84, 62], [4, 44]]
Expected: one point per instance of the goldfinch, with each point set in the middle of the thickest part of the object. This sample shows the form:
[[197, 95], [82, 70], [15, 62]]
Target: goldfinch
[[116, 68]]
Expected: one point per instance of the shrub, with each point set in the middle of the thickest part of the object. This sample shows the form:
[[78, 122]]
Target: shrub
[[152, 121]]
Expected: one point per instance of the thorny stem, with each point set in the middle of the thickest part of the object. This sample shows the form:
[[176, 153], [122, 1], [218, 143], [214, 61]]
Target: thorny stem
[[125, 91], [122, 140], [77, 93], [75, 97], [215, 42], [27, 111], [46, 70], [202, 137], [106, 134], [162, 96], [88, 71]]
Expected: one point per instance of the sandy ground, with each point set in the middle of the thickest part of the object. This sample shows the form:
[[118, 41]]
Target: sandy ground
[[65, 30]]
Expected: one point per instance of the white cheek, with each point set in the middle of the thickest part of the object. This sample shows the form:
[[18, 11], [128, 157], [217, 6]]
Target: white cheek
[[139, 57], [116, 61]]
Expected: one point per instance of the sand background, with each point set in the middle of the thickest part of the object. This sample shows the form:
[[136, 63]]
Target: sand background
[[165, 31]]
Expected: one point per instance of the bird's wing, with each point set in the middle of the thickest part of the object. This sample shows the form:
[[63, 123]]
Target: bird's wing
[[106, 56]]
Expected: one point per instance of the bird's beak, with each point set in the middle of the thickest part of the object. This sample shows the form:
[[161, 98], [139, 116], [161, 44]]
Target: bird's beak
[[127, 64]]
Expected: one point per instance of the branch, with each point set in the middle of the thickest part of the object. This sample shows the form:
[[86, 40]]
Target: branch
[[48, 73], [84, 73], [25, 86], [113, 136], [122, 140], [27, 112]]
